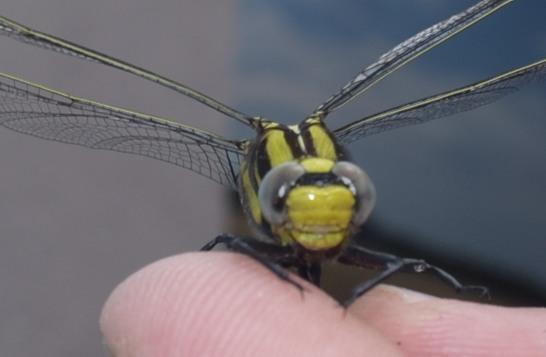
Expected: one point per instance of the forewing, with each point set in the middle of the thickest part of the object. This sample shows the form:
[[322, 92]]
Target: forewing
[[445, 104], [32, 109], [409, 50], [25, 34]]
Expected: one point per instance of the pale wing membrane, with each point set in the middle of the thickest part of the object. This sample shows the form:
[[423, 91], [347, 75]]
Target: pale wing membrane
[[409, 50], [445, 104], [35, 110], [27, 35]]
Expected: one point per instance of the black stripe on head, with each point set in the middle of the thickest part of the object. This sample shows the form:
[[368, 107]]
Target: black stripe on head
[[319, 179], [311, 142], [261, 160], [292, 141], [308, 141]]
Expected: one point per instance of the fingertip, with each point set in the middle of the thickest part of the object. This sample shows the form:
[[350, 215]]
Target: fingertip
[[222, 304], [426, 325]]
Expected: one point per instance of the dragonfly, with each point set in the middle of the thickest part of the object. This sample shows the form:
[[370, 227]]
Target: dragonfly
[[303, 197]]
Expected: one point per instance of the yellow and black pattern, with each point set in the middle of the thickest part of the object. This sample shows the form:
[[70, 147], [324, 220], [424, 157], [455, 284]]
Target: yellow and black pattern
[[277, 144], [319, 141]]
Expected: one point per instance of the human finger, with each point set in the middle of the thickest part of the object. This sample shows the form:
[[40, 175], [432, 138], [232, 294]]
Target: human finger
[[225, 304], [423, 325]]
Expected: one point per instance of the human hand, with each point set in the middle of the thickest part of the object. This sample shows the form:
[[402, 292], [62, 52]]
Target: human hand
[[224, 304]]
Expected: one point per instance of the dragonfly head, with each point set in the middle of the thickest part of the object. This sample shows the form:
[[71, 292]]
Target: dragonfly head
[[316, 203]]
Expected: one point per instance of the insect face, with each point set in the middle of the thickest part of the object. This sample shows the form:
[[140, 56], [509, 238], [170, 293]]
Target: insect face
[[316, 203]]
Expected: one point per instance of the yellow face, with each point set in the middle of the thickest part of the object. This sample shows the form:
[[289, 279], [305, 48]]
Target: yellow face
[[318, 218], [315, 203]]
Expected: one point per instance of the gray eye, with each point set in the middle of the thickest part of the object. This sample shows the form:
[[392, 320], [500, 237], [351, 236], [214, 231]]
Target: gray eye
[[362, 187], [274, 187]]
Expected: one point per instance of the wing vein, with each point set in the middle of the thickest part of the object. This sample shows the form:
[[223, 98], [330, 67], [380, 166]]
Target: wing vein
[[445, 104], [408, 50], [27, 35], [35, 110]]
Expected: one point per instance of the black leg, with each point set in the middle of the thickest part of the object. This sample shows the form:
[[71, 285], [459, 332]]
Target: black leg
[[311, 272], [360, 256], [269, 255]]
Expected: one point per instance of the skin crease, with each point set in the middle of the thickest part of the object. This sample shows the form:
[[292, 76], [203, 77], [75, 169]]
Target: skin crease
[[225, 304]]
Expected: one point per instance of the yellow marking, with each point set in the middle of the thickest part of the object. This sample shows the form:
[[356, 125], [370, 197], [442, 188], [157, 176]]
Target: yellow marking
[[319, 241], [317, 165], [318, 217], [324, 146], [251, 197], [314, 119], [269, 125], [277, 148], [283, 234]]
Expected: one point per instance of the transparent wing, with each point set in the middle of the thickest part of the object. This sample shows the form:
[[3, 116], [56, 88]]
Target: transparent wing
[[39, 111], [409, 50], [27, 35], [445, 104]]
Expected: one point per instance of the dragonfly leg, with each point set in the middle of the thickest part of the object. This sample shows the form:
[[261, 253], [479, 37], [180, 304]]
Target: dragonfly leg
[[269, 255], [311, 272], [391, 264]]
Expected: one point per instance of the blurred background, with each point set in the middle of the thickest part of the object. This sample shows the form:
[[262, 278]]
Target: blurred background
[[466, 192]]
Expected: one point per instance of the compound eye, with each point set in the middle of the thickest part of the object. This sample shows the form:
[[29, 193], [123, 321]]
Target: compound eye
[[274, 187], [362, 187]]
